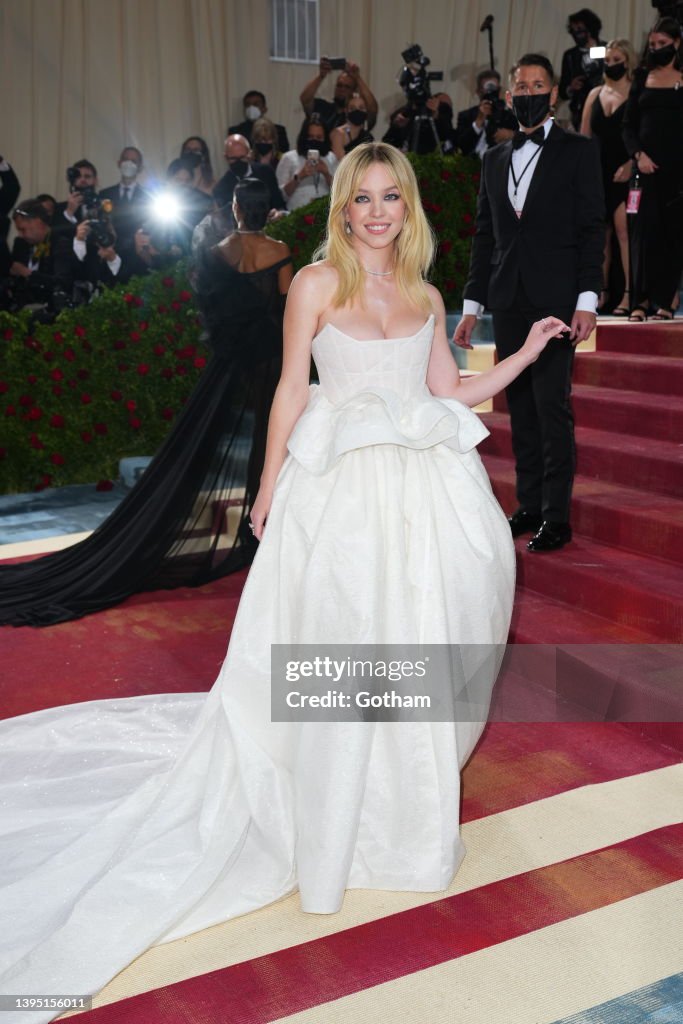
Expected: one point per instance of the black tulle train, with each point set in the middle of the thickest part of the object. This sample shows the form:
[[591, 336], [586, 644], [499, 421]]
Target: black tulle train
[[184, 523]]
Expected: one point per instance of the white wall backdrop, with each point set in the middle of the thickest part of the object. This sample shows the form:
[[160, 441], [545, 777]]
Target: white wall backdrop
[[84, 77]]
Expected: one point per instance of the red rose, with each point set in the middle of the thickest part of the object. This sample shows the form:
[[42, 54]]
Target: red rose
[[56, 374], [159, 350], [467, 218], [101, 428], [72, 383], [35, 441], [308, 218], [35, 413], [122, 367], [168, 282], [86, 399], [143, 325], [128, 297], [131, 404], [104, 485], [8, 334], [200, 362], [83, 374], [56, 420], [446, 175], [57, 459], [135, 422], [137, 301], [10, 410], [167, 372], [162, 309], [79, 331], [175, 305], [180, 370], [32, 378], [143, 369], [26, 400], [56, 390], [445, 247], [116, 396], [301, 235], [450, 286], [167, 414], [134, 336], [118, 345], [184, 295], [69, 354], [32, 344], [4, 387], [87, 347], [48, 356], [58, 337], [295, 250], [86, 437]]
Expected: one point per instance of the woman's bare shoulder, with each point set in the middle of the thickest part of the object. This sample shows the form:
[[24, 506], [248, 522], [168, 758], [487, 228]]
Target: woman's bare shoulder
[[436, 299]]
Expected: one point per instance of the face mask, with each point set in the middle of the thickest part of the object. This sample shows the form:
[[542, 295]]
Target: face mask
[[263, 147], [615, 71], [129, 169], [444, 112], [239, 168], [192, 157], [580, 37], [660, 58], [357, 117], [531, 110], [252, 113]]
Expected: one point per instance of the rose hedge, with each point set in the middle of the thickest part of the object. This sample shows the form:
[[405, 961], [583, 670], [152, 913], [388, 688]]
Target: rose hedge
[[106, 380]]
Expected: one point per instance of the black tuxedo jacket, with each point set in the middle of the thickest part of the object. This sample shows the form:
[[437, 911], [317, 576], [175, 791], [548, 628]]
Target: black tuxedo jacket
[[127, 214], [226, 186], [556, 247], [466, 138]]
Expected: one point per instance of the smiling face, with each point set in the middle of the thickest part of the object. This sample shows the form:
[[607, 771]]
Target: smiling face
[[376, 211]]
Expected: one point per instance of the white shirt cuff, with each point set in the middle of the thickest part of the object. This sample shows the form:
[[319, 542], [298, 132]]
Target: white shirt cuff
[[472, 308], [4, 166], [476, 127], [70, 217], [80, 248], [587, 302]]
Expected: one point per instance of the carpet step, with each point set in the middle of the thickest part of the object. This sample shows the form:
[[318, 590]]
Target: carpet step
[[642, 522], [608, 582], [655, 465], [539, 619], [629, 412], [657, 339], [648, 374]]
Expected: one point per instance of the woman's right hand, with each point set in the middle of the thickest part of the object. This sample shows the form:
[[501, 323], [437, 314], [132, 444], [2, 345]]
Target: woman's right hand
[[259, 512], [540, 334], [645, 165]]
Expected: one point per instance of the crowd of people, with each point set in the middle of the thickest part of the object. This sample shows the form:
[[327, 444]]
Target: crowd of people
[[64, 251]]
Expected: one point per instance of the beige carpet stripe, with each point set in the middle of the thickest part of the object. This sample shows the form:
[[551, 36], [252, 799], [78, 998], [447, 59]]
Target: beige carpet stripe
[[534, 979], [42, 545], [500, 845]]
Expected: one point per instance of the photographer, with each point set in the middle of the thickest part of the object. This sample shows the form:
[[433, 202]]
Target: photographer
[[306, 172], [487, 124], [41, 270], [82, 178], [9, 193], [348, 82], [581, 72], [96, 260]]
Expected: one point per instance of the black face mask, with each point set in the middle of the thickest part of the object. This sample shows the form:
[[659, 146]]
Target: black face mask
[[318, 144], [356, 117], [580, 37], [263, 147], [615, 71], [444, 112], [660, 58], [531, 110], [239, 168]]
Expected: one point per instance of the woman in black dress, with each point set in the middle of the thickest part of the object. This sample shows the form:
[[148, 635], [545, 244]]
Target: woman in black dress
[[603, 115], [185, 521], [653, 136]]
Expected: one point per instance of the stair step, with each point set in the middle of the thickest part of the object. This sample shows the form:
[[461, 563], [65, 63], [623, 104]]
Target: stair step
[[542, 619], [654, 465], [642, 522], [657, 339], [610, 583], [629, 412], [642, 372]]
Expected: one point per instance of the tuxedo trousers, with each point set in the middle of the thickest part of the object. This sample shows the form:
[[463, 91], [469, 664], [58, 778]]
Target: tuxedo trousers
[[541, 414]]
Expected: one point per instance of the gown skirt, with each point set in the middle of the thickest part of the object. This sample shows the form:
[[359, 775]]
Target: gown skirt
[[130, 822]]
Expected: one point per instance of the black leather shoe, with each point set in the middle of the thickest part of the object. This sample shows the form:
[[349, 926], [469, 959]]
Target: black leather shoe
[[525, 522], [550, 537]]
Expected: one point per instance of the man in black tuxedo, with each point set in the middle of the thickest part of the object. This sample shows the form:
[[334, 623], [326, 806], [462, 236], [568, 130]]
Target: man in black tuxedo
[[130, 201], [254, 103], [538, 251], [236, 151], [487, 123]]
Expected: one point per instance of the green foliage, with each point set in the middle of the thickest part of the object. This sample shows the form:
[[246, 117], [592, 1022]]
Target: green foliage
[[106, 380], [102, 382]]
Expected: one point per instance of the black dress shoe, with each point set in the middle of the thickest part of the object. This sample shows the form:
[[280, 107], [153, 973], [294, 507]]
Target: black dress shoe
[[550, 537], [525, 522]]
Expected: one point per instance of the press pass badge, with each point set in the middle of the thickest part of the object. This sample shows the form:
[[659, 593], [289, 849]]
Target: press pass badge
[[633, 199]]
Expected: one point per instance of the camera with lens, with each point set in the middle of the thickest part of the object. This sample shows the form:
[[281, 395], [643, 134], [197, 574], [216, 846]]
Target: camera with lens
[[414, 78], [96, 210], [670, 9], [500, 117]]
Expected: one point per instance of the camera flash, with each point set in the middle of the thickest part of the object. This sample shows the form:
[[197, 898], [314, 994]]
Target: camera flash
[[597, 52]]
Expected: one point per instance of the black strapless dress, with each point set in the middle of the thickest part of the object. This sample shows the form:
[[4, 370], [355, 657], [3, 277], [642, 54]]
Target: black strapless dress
[[185, 521]]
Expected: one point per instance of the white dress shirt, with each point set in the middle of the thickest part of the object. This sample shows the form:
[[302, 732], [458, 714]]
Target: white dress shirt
[[587, 301]]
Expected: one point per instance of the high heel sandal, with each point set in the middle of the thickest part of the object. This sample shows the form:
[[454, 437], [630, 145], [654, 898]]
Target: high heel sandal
[[663, 313], [634, 318], [621, 310]]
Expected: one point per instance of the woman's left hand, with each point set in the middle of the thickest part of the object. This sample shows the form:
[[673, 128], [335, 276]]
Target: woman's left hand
[[540, 334]]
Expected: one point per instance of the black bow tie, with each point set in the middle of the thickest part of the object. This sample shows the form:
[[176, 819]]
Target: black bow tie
[[519, 138]]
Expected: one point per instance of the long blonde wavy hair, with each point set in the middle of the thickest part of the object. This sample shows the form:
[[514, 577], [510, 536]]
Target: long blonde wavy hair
[[414, 245]]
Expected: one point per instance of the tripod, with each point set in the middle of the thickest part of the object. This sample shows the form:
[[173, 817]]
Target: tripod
[[422, 132]]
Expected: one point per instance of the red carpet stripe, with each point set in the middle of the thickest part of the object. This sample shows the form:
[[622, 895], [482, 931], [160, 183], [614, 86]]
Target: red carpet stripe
[[290, 980]]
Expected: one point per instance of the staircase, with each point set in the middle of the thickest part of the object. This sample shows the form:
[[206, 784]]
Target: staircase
[[621, 579]]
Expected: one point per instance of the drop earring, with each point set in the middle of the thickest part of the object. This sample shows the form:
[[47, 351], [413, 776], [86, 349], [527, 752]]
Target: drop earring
[[347, 227]]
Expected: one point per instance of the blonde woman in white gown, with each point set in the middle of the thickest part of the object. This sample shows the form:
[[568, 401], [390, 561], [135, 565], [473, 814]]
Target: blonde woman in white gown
[[127, 823]]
